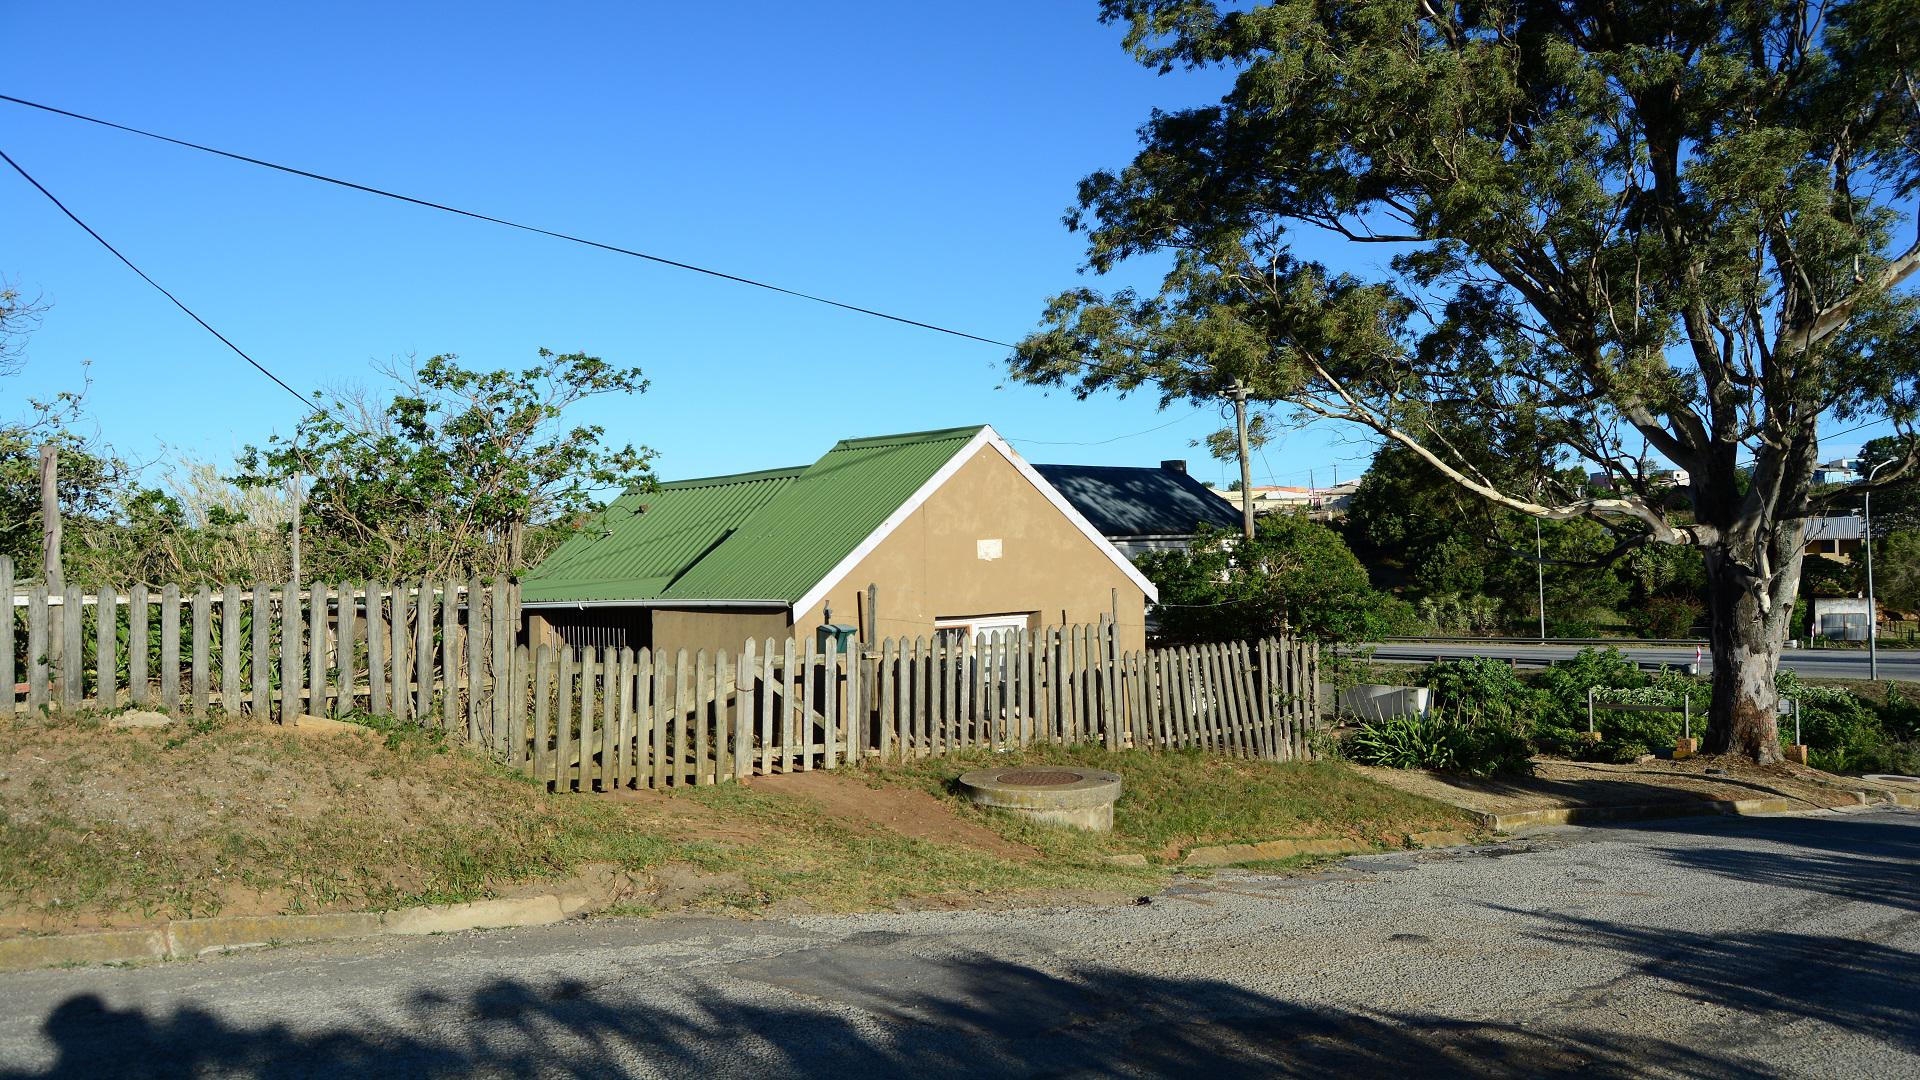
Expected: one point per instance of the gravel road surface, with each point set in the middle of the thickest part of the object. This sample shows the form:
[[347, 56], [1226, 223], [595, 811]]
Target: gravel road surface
[[1705, 948]]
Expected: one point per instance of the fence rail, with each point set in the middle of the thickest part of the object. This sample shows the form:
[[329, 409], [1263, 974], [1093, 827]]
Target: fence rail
[[447, 654]]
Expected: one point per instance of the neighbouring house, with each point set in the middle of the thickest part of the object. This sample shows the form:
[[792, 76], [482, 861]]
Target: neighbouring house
[[951, 531], [1836, 536], [1141, 509], [1656, 478], [1843, 471], [1316, 502]]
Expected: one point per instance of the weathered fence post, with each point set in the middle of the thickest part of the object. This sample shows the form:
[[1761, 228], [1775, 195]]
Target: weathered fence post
[[106, 640], [6, 637], [290, 641], [170, 648], [260, 663], [317, 654], [229, 650], [73, 661], [423, 659], [37, 645], [139, 617], [376, 649]]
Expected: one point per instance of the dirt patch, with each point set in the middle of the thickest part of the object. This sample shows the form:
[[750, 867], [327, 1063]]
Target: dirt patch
[[911, 813], [1579, 783]]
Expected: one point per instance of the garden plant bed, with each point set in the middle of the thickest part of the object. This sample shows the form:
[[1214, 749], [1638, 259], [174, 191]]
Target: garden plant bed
[[1682, 786]]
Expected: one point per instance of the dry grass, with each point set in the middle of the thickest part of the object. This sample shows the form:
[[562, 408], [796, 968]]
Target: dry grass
[[105, 827], [1173, 801], [109, 827]]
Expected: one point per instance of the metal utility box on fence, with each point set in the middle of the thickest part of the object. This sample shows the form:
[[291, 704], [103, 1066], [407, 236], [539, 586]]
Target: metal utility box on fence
[[835, 637]]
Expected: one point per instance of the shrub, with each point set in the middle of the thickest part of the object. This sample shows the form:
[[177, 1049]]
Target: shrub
[[1665, 617], [1439, 741], [1480, 686], [1842, 731]]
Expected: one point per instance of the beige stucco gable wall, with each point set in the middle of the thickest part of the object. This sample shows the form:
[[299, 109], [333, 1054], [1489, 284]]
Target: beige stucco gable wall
[[931, 566]]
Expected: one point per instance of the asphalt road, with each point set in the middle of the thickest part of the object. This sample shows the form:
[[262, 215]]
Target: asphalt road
[[1901, 664], [1700, 948]]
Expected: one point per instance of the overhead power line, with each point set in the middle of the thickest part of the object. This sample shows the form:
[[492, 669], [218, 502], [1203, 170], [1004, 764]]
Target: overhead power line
[[191, 314], [477, 216]]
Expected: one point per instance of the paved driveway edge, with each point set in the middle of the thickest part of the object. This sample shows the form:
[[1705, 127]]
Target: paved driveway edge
[[183, 939]]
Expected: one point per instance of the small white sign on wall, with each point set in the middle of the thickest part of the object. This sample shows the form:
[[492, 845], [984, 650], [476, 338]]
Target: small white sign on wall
[[987, 549]]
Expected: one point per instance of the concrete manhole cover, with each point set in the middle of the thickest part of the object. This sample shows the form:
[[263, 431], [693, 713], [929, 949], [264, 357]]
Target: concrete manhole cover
[[1040, 777], [1891, 778], [1082, 798]]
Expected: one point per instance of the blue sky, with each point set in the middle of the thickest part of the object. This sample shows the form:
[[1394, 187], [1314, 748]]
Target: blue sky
[[905, 158], [909, 158]]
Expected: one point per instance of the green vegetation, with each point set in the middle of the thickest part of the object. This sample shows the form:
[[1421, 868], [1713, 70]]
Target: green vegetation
[[1295, 574], [1861, 728], [458, 471], [1617, 234], [1175, 800], [1472, 746]]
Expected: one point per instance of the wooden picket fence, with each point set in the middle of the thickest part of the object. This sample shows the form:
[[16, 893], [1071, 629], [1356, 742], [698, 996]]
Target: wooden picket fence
[[414, 650], [611, 719], [447, 655]]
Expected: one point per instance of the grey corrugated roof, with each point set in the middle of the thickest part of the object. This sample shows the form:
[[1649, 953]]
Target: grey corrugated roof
[[1835, 527], [1123, 500]]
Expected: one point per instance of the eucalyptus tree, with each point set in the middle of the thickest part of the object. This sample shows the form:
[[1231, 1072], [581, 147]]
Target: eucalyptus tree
[[1673, 231]]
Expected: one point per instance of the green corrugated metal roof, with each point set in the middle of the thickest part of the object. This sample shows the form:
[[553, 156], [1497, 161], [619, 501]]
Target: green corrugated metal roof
[[801, 533], [758, 536], [630, 553]]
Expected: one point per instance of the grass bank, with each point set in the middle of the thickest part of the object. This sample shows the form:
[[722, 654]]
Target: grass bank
[[1172, 801], [104, 827]]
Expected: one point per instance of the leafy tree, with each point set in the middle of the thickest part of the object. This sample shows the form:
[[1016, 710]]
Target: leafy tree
[[460, 471], [1435, 541], [1896, 570], [19, 316], [1295, 575], [90, 481], [1631, 228]]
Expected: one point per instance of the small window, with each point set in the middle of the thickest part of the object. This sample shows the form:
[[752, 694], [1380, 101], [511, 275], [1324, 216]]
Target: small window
[[956, 629]]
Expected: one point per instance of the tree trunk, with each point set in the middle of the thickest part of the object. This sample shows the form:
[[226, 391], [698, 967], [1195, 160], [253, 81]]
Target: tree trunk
[[1748, 623]]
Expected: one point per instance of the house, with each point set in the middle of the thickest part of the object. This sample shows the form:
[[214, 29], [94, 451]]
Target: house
[[1141, 509], [1317, 502], [1835, 535], [915, 535], [1843, 471]]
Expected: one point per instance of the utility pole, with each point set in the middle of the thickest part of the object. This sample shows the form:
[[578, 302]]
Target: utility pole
[[294, 492], [1239, 394], [50, 571]]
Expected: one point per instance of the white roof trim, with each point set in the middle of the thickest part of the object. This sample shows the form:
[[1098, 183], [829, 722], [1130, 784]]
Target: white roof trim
[[1079, 520], [987, 437]]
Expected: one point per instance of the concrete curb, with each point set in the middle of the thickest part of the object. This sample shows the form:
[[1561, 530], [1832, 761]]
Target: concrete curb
[[183, 939], [1583, 815], [1229, 854]]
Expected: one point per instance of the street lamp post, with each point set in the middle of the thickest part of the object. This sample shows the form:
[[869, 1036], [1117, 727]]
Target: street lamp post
[[1873, 610], [1540, 580]]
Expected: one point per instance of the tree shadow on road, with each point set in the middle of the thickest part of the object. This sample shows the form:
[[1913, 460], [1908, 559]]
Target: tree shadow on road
[[964, 1015], [1863, 859]]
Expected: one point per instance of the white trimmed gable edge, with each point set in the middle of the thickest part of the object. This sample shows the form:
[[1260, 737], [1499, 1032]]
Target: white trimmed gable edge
[[987, 438]]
